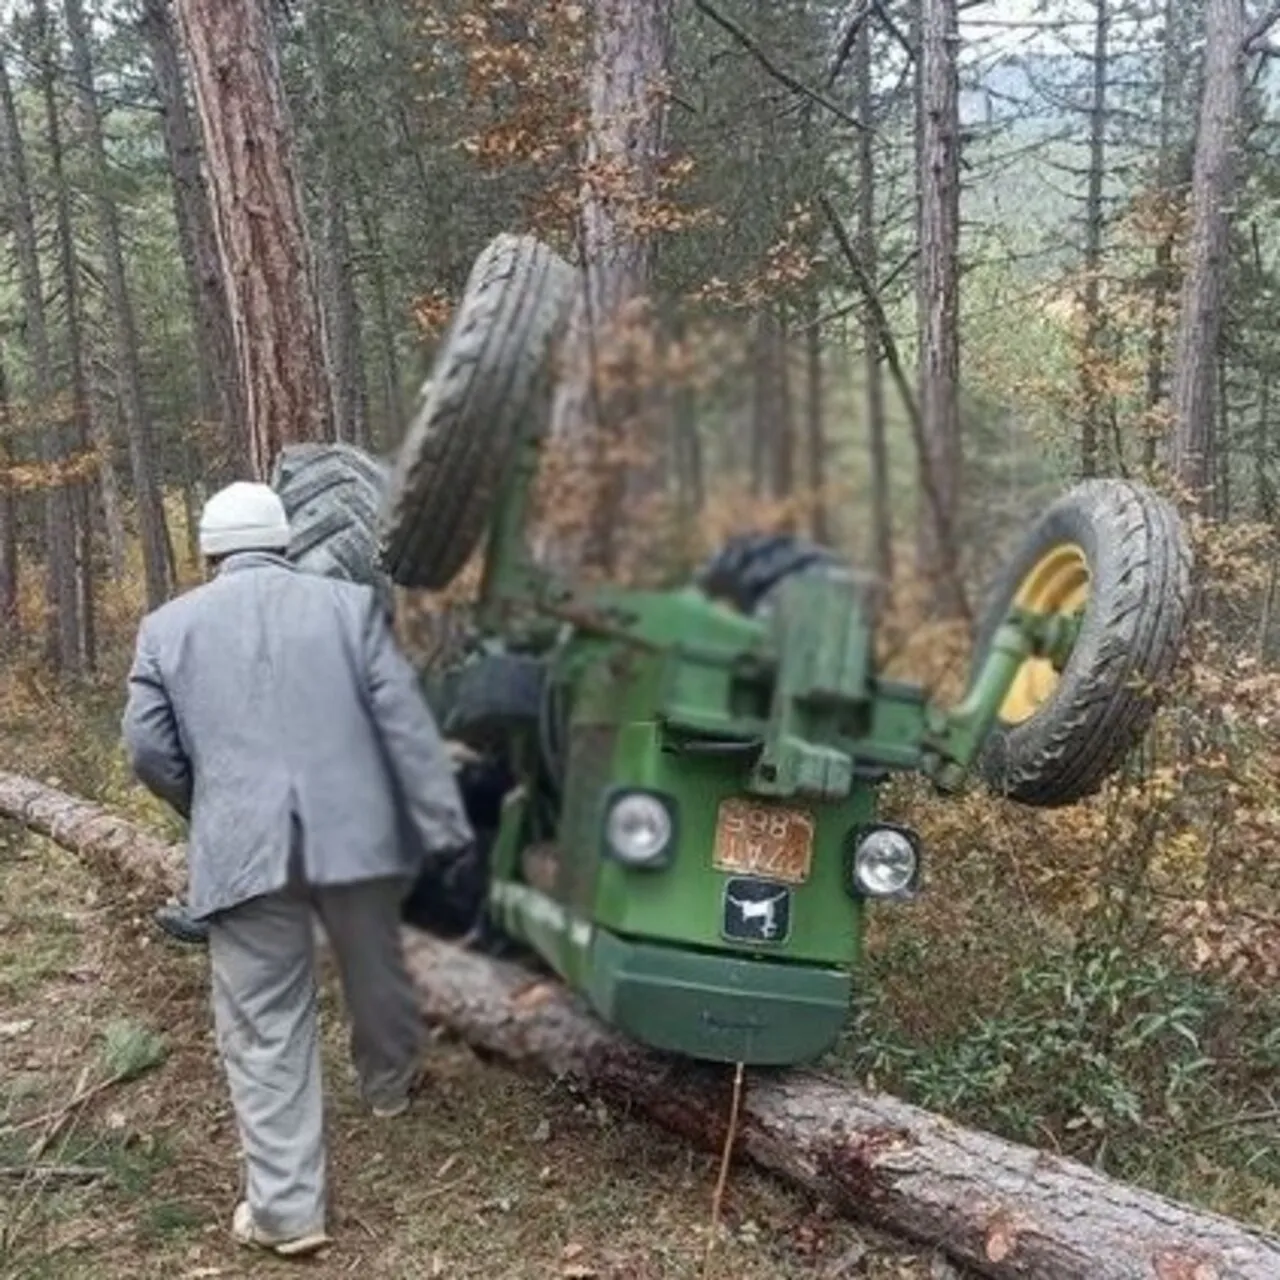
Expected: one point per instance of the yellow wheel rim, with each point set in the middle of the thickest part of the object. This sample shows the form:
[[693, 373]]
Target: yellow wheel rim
[[1058, 583]]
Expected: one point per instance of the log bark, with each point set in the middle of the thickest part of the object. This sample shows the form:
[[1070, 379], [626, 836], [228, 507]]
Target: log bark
[[1003, 1209]]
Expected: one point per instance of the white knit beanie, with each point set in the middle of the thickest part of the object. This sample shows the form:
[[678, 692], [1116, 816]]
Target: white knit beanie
[[243, 517]]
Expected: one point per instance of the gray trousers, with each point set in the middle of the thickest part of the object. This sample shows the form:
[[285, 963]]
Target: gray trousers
[[262, 957]]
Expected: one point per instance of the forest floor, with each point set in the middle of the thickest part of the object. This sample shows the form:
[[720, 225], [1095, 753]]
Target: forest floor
[[493, 1174]]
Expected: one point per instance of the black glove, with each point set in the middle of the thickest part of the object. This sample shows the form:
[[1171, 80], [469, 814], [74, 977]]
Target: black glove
[[449, 893], [464, 883]]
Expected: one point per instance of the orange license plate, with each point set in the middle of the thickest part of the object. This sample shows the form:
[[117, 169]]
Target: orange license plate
[[763, 840]]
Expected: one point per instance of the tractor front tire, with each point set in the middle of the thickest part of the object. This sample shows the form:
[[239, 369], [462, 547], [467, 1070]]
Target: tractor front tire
[[490, 375], [332, 494], [1119, 550]]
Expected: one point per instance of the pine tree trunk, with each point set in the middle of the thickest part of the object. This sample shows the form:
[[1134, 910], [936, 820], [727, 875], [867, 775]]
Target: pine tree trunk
[[258, 219], [84, 434], [784, 429], [1004, 1210], [156, 556], [341, 310], [1212, 188], [604, 402], [392, 399], [764, 401], [1091, 356], [815, 426], [877, 437], [938, 303], [219, 376], [10, 615], [1172, 73], [62, 605]]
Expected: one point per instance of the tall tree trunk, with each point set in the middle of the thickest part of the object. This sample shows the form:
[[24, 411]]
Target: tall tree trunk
[[1091, 355], [938, 303], [10, 616], [1172, 68], [784, 433], [219, 376], [1262, 501], [764, 401], [156, 556], [881, 506], [1221, 445], [815, 426], [603, 403], [393, 400], [62, 621], [84, 434], [1212, 186], [341, 310], [258, 219]]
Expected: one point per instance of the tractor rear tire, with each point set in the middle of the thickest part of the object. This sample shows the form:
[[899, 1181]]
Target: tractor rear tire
[[491, 374], [490, 697], [1138, 561], [332, 494]]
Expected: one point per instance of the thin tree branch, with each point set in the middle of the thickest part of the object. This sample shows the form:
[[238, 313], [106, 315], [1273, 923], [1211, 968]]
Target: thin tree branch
[[893, 29], [1261, 29], [848, 40], [889, 348], [785, 77]]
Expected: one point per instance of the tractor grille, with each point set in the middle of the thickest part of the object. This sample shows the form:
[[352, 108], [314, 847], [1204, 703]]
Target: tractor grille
[[590, 769]]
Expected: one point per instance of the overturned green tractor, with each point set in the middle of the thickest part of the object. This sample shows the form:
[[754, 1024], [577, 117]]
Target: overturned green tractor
[[690, 836]]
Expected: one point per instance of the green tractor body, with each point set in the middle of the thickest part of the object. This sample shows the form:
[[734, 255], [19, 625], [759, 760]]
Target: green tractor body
[[691, 840]]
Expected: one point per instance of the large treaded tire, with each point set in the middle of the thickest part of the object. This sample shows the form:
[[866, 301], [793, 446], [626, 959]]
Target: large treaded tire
[[748, 570], [490, 374], [1139, 564], [332, 494]]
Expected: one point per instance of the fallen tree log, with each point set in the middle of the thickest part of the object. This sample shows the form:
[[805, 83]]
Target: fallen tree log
[[1003, 1209]]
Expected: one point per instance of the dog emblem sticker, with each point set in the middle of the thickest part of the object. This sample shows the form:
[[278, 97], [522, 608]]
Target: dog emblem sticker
[[756, 910]]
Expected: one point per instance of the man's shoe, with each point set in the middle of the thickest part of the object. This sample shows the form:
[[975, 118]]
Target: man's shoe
[[398, 1106], [177, 921], [247, 1232]]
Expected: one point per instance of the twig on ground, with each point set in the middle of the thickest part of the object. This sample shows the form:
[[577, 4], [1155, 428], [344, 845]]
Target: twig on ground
[[722, 1179], [66, 1172]]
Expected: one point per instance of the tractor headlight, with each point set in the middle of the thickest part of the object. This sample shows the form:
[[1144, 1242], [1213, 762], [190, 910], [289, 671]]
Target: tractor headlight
[[886, 862], [639, 829]]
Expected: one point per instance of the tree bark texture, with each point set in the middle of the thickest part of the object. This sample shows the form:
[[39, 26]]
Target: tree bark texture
[[877, 435], [604, 401], [219, 375], [938, 300], [1003, 1209], [143, 458], [62, 620], [1212, 188], [1091, 355], [262, 242]]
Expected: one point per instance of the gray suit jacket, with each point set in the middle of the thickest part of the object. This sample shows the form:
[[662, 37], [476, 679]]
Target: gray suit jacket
[[270, 699]]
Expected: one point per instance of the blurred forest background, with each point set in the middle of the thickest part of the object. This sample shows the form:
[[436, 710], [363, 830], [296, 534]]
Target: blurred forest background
[[1068, 206]]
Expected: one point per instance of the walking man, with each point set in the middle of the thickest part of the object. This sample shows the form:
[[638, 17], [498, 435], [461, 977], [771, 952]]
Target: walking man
[[272, 708]]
